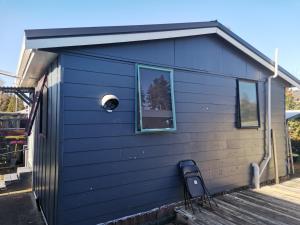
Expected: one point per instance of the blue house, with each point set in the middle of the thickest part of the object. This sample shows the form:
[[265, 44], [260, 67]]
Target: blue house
[[117, 107]]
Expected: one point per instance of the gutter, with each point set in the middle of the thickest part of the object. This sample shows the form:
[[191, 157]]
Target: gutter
[[258, 170]]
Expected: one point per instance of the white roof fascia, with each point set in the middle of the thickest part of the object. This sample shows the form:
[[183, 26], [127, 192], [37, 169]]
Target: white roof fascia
[[256, 57], [26, 56], [288, 79], [21, 55], [43, 43], [114, 38]]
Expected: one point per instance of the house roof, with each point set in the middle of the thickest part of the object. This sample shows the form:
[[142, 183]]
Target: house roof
[[34, 58], [292, 114]]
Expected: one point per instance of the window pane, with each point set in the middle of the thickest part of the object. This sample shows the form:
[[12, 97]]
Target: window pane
[[156, 99], [248, 104]]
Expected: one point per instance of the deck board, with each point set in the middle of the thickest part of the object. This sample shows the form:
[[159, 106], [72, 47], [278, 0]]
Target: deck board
[[271, 205]]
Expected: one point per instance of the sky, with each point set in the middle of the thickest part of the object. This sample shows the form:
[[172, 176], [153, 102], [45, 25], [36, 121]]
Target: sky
[[265, 24]]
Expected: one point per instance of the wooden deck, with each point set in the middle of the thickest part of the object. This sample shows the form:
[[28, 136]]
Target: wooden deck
[[276, 205]]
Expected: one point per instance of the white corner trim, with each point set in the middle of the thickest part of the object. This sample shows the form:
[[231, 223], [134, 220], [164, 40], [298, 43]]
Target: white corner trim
[[113, 38]]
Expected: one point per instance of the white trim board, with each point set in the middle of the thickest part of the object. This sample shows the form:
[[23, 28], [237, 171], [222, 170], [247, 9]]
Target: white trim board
[[113, 38]]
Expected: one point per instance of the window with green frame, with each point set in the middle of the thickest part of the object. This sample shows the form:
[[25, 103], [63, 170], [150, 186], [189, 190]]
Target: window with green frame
[[155, 99]]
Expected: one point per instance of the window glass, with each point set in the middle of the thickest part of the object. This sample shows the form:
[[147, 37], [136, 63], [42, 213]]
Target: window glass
[[155, 99], [248, 104], [44, 111]]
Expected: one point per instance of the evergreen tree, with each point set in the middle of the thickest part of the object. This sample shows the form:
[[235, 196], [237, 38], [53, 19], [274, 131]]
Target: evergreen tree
[[158, 94]]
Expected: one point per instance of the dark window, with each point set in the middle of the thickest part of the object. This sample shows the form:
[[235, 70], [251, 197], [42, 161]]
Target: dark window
[[155, 105], [41, 115], [248, 109], [44, 111]]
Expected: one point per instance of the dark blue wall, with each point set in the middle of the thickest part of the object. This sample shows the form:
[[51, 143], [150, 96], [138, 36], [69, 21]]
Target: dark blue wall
[[46, 146], [107, 171]]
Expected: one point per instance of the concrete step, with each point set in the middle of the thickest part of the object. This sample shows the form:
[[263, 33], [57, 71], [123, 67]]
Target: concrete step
[[16, 181], [24, 172], [2, 185], [10, 177]]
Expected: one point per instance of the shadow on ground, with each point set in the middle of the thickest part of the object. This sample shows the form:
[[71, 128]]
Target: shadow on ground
[[19, 209]]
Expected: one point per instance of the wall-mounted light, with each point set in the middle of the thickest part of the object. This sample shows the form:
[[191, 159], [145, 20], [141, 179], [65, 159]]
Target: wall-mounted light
[[109, 102]]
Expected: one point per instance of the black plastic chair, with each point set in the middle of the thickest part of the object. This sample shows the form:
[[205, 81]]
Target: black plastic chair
[[194, 186]]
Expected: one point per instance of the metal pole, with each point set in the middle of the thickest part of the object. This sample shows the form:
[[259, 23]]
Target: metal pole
[[291, 155], [267, 158], [287, 148], [275, 157], [16, 108], [8, 74]]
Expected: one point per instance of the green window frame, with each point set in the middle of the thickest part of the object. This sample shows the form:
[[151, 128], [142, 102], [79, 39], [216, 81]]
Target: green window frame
[[247, 104], [167, 120]]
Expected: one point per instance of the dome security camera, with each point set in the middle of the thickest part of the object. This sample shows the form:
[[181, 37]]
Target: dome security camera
[[109, 102]]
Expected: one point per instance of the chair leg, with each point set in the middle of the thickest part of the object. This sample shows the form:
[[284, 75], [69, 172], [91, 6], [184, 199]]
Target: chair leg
[[191, 204], [185, 200]]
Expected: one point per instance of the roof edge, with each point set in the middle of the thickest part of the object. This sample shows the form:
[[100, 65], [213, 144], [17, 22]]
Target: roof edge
[[67, 37], [106, 30]]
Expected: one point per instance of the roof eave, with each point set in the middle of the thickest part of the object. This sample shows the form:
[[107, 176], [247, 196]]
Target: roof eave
[[29, 62], [31, 66]]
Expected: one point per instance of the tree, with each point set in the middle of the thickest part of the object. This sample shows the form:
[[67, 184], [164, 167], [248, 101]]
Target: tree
[[290, 103], [4, 101], [8, 103], [158, 94], [294, 125]]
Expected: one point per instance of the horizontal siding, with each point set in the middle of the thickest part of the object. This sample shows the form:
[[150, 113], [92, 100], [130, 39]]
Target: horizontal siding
[[99, 117], [167, 196], [103, 169], [127, 154], [104, 183], [206, 140], [109, 171], [131, 204], [75, 131], [92, 104], [84, 199]]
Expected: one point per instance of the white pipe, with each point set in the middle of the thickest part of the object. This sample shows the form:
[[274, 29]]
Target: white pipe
[[264, 163], [276, 64]]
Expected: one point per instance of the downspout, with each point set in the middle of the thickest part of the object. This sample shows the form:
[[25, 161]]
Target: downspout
[[258, 170]]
